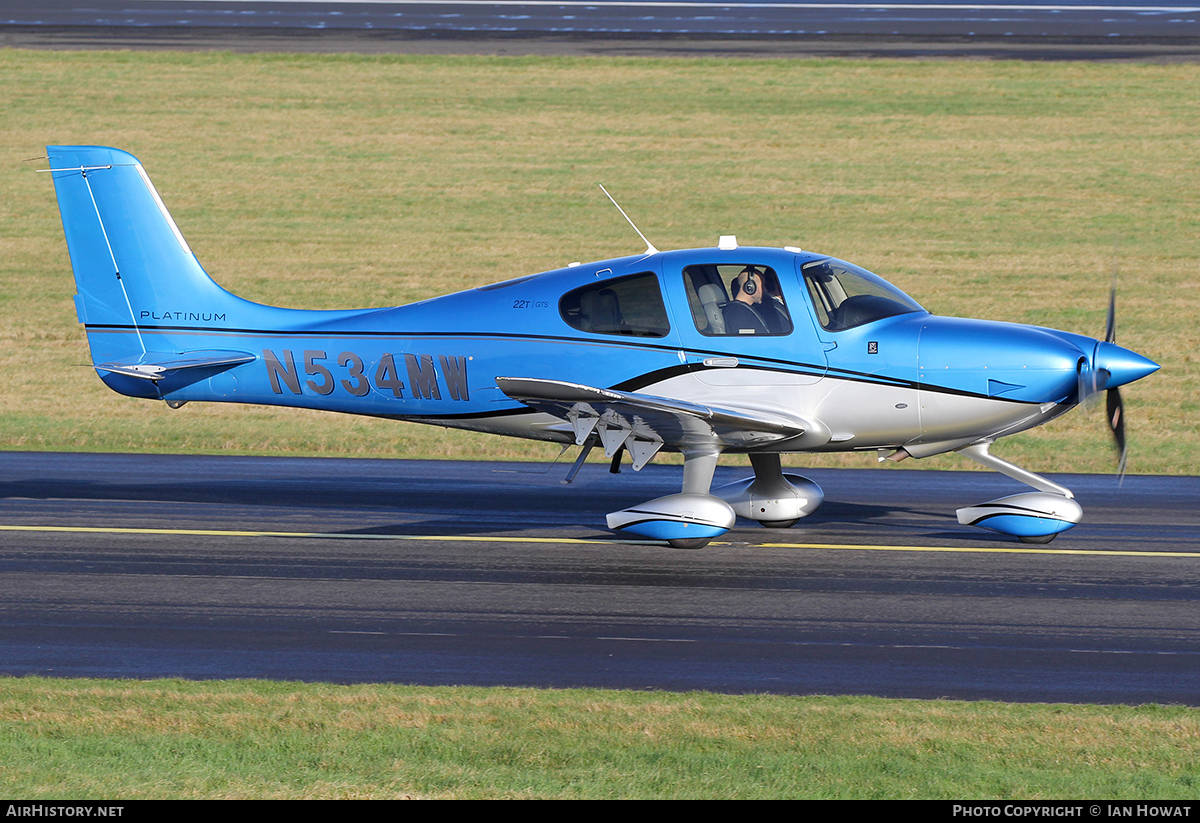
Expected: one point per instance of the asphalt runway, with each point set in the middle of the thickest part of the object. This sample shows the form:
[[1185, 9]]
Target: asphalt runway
[[993, 18], [1027, 29], [495, 574]]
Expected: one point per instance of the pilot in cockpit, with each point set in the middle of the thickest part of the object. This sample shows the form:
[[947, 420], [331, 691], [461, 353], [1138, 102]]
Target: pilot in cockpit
[[744, 313]]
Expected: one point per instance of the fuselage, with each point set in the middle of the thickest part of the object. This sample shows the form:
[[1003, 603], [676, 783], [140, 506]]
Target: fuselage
[[826, 344]]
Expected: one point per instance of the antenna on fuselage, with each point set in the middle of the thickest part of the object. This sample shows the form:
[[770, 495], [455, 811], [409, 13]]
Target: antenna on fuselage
[[649, 246]]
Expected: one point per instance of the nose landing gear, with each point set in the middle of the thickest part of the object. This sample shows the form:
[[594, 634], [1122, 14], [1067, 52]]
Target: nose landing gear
[[1033, 517]]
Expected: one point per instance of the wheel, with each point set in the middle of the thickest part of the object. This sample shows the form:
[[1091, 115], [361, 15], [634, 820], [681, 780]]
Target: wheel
[[1039, 539], [690, 542], [778, 524]]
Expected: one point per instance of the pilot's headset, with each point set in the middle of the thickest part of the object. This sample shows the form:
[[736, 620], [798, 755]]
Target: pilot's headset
[[750, 287]]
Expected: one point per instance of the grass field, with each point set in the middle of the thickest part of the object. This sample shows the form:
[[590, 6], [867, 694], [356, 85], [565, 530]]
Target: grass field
[[95, 739], [997, 190]]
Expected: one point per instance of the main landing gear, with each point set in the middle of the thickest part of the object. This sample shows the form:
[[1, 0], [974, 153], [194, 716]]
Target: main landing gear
[[774, 499], [690, 519]]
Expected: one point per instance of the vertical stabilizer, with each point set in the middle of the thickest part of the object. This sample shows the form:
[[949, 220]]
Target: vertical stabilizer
[[132, 266]]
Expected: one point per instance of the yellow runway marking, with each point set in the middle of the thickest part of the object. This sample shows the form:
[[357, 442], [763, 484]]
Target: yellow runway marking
[[325, 535], [980, 550], [577, 540]]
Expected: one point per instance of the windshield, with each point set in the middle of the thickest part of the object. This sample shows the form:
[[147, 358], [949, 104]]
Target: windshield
[[846, 296]]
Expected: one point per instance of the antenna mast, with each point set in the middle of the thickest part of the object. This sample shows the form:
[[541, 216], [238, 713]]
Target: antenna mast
[[649, 246]]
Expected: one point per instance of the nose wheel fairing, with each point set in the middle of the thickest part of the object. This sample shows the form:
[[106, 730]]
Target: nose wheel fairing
[[1033, 517]]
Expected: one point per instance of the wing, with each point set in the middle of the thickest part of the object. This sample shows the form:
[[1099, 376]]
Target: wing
[[644, 423]]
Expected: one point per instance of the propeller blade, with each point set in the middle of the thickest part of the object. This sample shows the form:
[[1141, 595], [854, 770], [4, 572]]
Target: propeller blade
[[1110, 329], [1090, 381], [1086, 389], [1114, 407], [1110, 326], [1115, 415]]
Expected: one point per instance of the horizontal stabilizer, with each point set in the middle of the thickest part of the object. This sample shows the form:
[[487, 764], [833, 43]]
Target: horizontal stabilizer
[[635, 420], [155, 365]]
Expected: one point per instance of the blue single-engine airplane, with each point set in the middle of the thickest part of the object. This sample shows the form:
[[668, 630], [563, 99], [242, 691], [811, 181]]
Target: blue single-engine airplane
[[757, 351]]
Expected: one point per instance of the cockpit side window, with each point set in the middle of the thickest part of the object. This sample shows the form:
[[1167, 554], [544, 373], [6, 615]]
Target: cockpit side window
[[846, 296], [732, 300], [631, 306]]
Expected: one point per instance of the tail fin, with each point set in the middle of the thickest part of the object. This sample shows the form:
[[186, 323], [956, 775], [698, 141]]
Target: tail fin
[[132, 265]]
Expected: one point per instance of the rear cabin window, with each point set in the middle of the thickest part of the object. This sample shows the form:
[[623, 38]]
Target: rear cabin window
[[731, 301], [631, 306]]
